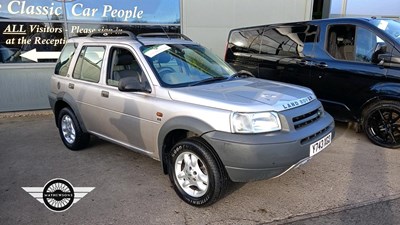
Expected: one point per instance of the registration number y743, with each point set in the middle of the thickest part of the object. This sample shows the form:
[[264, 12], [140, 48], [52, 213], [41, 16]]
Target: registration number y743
[[321, 144]]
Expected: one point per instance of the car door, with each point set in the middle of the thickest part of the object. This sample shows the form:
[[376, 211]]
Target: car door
[[129, 118], [85, 85], [286, 51], [344, 69]]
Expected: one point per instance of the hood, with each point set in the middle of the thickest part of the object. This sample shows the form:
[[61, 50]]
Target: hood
[[245, 95]]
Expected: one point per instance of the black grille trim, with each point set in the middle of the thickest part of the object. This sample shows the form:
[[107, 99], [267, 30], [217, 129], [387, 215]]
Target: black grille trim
[[306, 119], [307, 139]]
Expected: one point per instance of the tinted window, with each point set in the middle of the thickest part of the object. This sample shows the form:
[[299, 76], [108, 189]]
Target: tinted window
[[65, 59], [88, 66], [341, 42], [351, 43], [246, 40], [366, 43], [288, 40]]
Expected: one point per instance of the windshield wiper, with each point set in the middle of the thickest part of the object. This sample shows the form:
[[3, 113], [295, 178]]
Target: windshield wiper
[[208, 80], [241, 74]]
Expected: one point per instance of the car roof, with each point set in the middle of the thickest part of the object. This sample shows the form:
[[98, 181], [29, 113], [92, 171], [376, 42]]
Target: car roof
[[318, 21]]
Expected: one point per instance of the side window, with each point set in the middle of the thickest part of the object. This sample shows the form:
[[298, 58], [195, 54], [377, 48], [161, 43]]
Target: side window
[[367, 43], [88, 66], [246, 40], [123, 64], [340, 43], [65, 59], [288, 40]]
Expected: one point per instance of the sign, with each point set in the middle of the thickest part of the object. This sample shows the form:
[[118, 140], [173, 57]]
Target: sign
[[37, 30], [136, 11]]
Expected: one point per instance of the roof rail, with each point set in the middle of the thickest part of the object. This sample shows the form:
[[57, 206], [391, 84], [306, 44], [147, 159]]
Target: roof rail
[[168, 35], [113, 33]]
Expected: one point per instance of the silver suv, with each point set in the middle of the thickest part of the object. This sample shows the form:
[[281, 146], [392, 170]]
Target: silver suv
[[173, 100]]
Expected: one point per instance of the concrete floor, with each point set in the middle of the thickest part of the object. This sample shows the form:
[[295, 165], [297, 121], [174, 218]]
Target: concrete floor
[[351, 182]]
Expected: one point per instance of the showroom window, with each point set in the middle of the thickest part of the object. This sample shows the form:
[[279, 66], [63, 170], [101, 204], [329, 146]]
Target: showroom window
[[36, 31]]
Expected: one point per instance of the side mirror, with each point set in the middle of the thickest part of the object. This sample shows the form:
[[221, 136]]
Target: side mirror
[[131, 84], [380, 49], [388, 58]]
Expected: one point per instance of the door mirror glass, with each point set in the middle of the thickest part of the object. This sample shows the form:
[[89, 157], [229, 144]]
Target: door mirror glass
[[131, 84]]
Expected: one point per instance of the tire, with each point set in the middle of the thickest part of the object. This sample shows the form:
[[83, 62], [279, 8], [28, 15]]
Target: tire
[[70, 131], [381, 123], [197, 176]]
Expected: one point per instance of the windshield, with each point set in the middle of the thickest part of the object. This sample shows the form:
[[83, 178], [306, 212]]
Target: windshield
[[178, 65], [391, 27]]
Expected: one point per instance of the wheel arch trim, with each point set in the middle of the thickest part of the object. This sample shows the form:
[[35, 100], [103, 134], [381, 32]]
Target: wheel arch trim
[[187, 123], [69, 100]]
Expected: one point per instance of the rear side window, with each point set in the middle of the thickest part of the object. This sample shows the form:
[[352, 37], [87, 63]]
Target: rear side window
[[65, 59], [246, 40], [88, 66], [296, 40], [289, 41]]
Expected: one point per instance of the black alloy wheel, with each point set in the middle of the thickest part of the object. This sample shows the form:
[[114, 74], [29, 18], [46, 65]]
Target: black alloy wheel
[[381, 122]]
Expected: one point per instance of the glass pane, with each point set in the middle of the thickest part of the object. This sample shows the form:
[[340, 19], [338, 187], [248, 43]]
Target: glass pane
[[64, 61], [126, 11], [287, 41], [183, 65], [88, 66], [77, 29], [30, 42], [28, 10], [341, 42], [246, 40], [365, 44]]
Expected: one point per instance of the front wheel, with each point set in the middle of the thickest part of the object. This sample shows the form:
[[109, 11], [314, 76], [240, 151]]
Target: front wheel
[[381, 122], [197, 176]]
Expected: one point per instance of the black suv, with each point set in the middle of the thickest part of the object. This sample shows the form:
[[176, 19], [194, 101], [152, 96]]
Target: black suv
[[352, 64]]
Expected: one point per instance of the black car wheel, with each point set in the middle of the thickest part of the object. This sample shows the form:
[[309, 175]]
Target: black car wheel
[[381, 122], [197, 176], [70, 131]]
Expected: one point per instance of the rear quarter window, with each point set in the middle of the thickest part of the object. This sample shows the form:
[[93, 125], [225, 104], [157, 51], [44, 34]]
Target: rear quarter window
[[89, 63], [65, 59]]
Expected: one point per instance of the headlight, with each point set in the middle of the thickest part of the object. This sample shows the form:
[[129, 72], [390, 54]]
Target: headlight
[[255, 122]]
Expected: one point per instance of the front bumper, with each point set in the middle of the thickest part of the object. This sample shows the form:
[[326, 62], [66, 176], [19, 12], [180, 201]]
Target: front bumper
[[249, 157]]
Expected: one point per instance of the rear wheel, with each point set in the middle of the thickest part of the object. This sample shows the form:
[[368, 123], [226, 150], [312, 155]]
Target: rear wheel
[[197, 176], [381, 122], [70, 131]]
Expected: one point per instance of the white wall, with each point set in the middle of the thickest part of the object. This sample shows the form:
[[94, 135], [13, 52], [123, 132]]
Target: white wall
[[209, 21]]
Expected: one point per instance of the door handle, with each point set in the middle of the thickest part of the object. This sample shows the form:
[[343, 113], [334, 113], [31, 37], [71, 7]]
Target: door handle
[[304, 63], [105, 94], [71, 86], [321, 65]]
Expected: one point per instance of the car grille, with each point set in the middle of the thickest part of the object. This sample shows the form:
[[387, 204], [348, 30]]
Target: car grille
[[306, 119], [305, 140]]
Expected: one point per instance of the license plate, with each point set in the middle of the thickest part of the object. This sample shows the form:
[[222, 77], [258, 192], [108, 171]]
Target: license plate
[[320, 144]]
